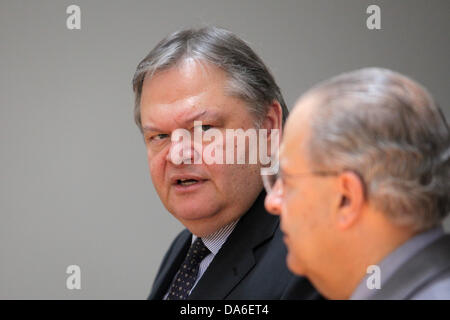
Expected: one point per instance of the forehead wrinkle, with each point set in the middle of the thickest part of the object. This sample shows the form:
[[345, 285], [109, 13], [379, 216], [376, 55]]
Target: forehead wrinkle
[[176, 110], [186, 116], [200, 115]]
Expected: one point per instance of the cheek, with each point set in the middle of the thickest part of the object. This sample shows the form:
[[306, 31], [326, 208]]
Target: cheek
[[292, 215], [301, 216], [223, 177], [237, 183], [156, 168]]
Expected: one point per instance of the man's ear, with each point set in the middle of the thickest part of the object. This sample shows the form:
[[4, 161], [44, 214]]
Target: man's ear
[[273, 119], [352, 197]]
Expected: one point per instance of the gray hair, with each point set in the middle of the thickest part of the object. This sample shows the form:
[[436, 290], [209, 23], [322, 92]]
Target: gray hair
[[249, 78], [388, 129]]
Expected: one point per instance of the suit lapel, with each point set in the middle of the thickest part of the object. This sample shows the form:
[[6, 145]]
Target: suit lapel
[[236, 257], [170, 266]]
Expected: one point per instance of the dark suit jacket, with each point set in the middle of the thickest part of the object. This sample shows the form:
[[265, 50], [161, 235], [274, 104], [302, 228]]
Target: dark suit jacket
[[250, 265], [421, 274]]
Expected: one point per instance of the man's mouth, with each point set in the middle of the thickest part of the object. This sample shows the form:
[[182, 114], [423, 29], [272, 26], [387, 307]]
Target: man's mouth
[[186, 182]]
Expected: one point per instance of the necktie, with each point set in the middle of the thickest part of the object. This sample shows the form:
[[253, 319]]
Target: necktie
[[187, 274]]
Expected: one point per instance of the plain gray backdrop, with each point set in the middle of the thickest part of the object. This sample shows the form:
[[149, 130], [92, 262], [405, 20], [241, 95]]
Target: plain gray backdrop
[[75, 187]]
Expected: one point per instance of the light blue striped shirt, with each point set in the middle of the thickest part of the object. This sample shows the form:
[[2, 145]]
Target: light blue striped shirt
[[213, 242]]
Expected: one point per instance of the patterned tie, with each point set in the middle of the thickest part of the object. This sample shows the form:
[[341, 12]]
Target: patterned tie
[[187, 274]]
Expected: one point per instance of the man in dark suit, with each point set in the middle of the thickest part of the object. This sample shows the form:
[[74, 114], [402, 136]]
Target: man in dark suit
[[363, 187], [250, 265], [209, 82]]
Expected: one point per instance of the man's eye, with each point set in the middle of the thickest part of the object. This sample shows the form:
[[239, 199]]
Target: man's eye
[[160, 136], [206, 127]]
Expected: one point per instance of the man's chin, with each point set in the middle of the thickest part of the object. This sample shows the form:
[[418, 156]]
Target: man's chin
[[199, 224], [186, 213]]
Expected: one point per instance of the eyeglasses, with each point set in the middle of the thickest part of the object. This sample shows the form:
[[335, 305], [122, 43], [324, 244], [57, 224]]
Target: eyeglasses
[[274, 174]]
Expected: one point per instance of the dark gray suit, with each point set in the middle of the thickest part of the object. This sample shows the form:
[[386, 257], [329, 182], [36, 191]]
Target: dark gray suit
[[250, 265], [426, 275]]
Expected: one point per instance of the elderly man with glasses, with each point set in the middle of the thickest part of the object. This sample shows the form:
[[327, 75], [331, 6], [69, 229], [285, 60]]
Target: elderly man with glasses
[[363, 187]]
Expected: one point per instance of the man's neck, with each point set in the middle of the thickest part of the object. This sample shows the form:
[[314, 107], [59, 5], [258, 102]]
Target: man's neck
[[358, 255]]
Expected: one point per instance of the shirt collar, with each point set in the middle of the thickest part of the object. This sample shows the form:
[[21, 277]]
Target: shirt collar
[[215, 240]]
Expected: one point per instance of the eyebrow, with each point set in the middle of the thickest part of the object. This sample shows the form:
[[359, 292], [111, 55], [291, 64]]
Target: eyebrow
[[205, 114]]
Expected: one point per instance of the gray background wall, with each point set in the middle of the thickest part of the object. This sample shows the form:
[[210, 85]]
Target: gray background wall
[[74, 185]]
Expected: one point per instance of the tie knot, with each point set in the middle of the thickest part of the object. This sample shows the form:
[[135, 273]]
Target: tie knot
[[198, 251]]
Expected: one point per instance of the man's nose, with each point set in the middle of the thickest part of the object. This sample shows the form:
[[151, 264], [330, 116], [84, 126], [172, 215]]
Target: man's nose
[[184, 152], [274, 199]]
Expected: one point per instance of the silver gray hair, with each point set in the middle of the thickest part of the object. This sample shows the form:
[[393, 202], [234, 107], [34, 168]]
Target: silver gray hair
[[388, 129], [249, 78]]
